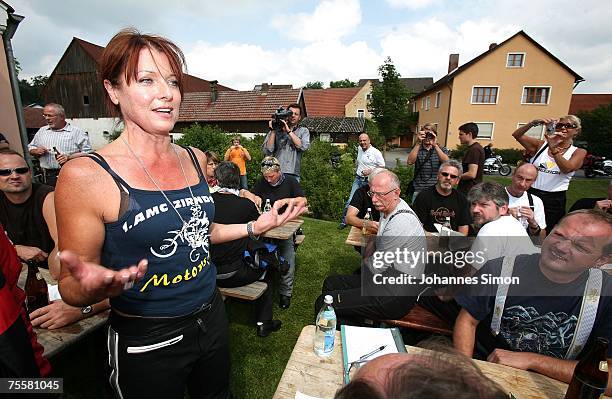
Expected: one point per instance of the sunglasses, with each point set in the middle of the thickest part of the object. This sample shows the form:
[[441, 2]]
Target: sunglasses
[[446, 174], [20, 171], [561, 126], [371, 194], [269, 163]]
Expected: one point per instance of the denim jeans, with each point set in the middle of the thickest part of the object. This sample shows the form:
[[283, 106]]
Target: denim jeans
[[357, 184]]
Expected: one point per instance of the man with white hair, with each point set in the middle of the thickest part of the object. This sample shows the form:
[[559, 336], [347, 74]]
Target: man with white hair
[[523, 205], [368, 159], [57, 142], [369, 295]]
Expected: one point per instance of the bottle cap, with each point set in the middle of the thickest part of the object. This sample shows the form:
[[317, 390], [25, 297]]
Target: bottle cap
[[329, 299]]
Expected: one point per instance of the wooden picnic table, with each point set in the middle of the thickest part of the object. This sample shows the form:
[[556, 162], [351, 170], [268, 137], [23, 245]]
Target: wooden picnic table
[[284, 231], [321, 378], [356, 237], [54, 341]]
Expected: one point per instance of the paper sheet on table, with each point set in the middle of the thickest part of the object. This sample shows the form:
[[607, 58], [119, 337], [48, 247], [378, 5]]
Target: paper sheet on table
[[363, 340], [299, 395], [54, 294], [454, 233]]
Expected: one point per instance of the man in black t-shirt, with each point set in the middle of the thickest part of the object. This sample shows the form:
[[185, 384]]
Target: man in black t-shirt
[[274, 186], [228, 257], [358, 207], [473, 160], [26, 210], [435, 204], [541, 311]]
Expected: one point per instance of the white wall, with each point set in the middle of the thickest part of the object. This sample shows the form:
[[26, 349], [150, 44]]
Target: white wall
[[95, 129]]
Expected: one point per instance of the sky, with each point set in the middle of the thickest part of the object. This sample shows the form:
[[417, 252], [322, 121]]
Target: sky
[[242, 43]]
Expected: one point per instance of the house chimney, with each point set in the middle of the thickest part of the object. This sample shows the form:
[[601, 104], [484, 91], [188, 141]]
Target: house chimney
[[213, 90], [265, 86], [492, 46], [453, 62]]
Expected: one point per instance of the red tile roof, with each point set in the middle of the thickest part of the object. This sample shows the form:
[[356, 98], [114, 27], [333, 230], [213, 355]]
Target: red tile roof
[[328, 102], [588, 102], [34, 117], [235, 105], [191, 83]]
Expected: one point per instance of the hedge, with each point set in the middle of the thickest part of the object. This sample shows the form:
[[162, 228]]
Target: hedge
[[326, 184]]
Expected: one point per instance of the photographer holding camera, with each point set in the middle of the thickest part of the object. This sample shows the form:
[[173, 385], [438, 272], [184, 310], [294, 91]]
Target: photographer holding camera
[[286, 141], [426, 156]]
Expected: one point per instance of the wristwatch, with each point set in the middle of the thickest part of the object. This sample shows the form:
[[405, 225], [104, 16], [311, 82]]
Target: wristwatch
[[86, 309]]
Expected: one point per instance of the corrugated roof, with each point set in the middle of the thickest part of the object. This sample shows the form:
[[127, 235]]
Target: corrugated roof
[[450, 76], [328, 102], [191, 83], [330, 124], [235, 105], [588, 102]]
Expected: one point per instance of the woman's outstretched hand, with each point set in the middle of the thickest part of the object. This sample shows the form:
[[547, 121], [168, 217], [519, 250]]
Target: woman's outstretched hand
[[268, 220], [97, 281]]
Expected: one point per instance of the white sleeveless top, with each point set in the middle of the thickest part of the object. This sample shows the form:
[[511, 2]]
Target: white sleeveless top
[[550, 178]]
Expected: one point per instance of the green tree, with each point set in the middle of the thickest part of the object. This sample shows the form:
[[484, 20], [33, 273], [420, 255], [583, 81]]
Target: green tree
[[597, 130], [314, 85], [342, 83], [389, 103], [30, 90]]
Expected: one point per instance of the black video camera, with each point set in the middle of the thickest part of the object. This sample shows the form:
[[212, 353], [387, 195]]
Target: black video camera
[[280, 115]]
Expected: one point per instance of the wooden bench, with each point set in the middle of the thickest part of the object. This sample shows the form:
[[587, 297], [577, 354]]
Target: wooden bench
[[248, 292], [421, 319], [299, 239]]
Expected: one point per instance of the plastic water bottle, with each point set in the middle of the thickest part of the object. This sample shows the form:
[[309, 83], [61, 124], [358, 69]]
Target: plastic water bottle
[[366, 219], [325, 333], [267, 206], [445, 233]]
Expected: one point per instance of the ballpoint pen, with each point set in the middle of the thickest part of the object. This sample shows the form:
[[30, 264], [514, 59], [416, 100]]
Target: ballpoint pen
[[373, 352]]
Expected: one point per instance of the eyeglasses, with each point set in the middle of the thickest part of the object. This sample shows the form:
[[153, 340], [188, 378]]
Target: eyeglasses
[[446, 174], [269, 163], [561, 126], [20, 171], [371, 194]]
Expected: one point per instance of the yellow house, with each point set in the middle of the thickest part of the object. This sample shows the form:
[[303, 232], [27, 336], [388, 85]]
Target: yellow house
[[10, 101], [503, 88], [358, 105]]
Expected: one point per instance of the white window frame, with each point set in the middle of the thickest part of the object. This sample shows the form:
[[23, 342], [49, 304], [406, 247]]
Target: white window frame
[[492, 130], [427, 103], [537, 87], [368, 96], [414, 106], [486, 87], [521, 124], [513, 53], [423, 103], [362, 111], [438, 99]]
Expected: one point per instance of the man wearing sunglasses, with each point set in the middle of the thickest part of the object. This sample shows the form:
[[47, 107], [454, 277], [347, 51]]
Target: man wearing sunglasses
[[435, 204], [27, 212], [57, 142]]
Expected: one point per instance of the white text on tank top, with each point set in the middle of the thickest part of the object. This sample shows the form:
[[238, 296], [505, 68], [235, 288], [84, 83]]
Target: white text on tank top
[[550, 178]]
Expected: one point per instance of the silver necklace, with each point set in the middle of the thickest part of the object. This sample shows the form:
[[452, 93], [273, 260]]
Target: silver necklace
[[142, 165]]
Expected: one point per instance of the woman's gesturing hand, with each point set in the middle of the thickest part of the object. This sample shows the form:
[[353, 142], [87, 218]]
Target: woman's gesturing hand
[[98, 281], [268, 220]]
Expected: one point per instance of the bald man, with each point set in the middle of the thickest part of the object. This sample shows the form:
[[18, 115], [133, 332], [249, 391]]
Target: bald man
[[524, 206], [368, 159]]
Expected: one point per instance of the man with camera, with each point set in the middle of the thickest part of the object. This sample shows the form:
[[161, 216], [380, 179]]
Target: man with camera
[[426, 156], [286, 141]]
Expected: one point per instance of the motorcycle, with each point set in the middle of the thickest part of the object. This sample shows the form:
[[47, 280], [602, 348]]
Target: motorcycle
[[495, 165], [597, 166]]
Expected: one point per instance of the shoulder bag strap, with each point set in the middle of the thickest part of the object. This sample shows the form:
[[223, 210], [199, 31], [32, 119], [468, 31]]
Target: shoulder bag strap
[[417, 167], [588, 312], [544, 147], [502, 293]]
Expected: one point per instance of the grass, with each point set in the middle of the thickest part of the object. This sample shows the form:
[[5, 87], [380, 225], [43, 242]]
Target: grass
[[257, 364]]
